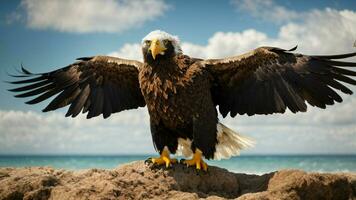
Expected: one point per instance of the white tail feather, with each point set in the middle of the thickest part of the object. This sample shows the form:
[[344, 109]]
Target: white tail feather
[[230, 143]]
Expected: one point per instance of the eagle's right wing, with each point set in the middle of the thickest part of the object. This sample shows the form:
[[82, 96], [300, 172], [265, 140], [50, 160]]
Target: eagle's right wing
[[97, 85]]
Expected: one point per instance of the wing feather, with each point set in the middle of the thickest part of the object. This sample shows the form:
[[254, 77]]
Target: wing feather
[[269, 80], [78, 103], [31, 86], [97, 85]]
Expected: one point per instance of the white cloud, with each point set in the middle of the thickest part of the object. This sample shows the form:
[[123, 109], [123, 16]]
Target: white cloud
[[82, 16], [129, 51], [335, 33], [266, 9], [223, 44], [319, 131], [315, 31], [337, 115], [332, 130], [52, 133]]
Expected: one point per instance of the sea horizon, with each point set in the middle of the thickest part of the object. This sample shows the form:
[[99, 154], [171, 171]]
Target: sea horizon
[[154, 154], [246, 163]]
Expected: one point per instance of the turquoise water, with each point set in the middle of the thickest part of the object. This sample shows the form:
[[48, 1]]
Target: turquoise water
[[257, 164]]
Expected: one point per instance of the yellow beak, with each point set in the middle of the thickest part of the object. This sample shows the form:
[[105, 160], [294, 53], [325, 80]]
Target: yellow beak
[[156, 48]]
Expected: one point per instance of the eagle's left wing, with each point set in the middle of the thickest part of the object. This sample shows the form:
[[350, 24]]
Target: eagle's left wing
[[269, 80]]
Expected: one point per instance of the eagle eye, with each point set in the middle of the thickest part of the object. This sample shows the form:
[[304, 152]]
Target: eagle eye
[[147, 42], [165, 42]]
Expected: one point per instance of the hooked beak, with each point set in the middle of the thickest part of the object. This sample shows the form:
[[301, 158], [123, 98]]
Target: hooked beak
[[157, 48]]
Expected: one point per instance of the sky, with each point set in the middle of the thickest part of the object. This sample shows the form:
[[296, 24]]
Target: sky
[[46, 35]]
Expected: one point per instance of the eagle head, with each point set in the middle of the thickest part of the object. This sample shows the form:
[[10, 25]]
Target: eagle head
[[158, 45]]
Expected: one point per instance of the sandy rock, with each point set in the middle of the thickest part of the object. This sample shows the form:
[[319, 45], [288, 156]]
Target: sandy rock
[[138, 180]]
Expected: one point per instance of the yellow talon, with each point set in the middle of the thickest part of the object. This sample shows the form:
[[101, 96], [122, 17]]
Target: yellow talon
[[164, 158], [197, 160]]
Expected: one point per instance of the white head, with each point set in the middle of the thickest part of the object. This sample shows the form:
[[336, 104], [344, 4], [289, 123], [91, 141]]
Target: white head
[[157, 42]]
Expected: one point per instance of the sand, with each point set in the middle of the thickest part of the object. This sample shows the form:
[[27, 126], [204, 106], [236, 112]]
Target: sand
[[138, 180]]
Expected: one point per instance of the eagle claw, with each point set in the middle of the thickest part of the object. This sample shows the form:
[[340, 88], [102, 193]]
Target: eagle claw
[[148, 161], [164, 159], [197, 161]]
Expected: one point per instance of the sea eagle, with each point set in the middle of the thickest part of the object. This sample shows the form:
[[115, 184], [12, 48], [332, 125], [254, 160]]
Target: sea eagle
[[182, 93]]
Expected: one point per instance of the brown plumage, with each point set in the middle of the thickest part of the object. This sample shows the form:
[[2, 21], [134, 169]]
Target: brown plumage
[[182, 93]]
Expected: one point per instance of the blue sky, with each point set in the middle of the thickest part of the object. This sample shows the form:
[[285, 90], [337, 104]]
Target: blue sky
[[43, 41]]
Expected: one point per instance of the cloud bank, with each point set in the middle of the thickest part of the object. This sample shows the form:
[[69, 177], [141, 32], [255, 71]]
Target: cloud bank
[[335, 33], [317, 32], [52, 133], [82, 16], [319, 131]]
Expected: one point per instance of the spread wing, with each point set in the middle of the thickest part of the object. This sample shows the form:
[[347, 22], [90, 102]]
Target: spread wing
[[269, 80], [97, 85]]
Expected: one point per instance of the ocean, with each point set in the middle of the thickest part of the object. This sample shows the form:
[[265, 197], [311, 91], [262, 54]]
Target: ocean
[[251, 164]]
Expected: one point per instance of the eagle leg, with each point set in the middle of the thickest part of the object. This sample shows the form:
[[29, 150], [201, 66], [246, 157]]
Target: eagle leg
[[164, 159], [197, 160]]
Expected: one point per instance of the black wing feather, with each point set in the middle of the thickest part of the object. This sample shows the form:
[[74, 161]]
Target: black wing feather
[[100, 85], [30, 87], [269, 80], [78, 103]]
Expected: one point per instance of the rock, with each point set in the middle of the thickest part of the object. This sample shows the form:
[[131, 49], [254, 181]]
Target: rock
[[138, 180], [295, 184]]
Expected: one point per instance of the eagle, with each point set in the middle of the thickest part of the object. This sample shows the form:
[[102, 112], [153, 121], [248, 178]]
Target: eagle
[[184, 95]]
